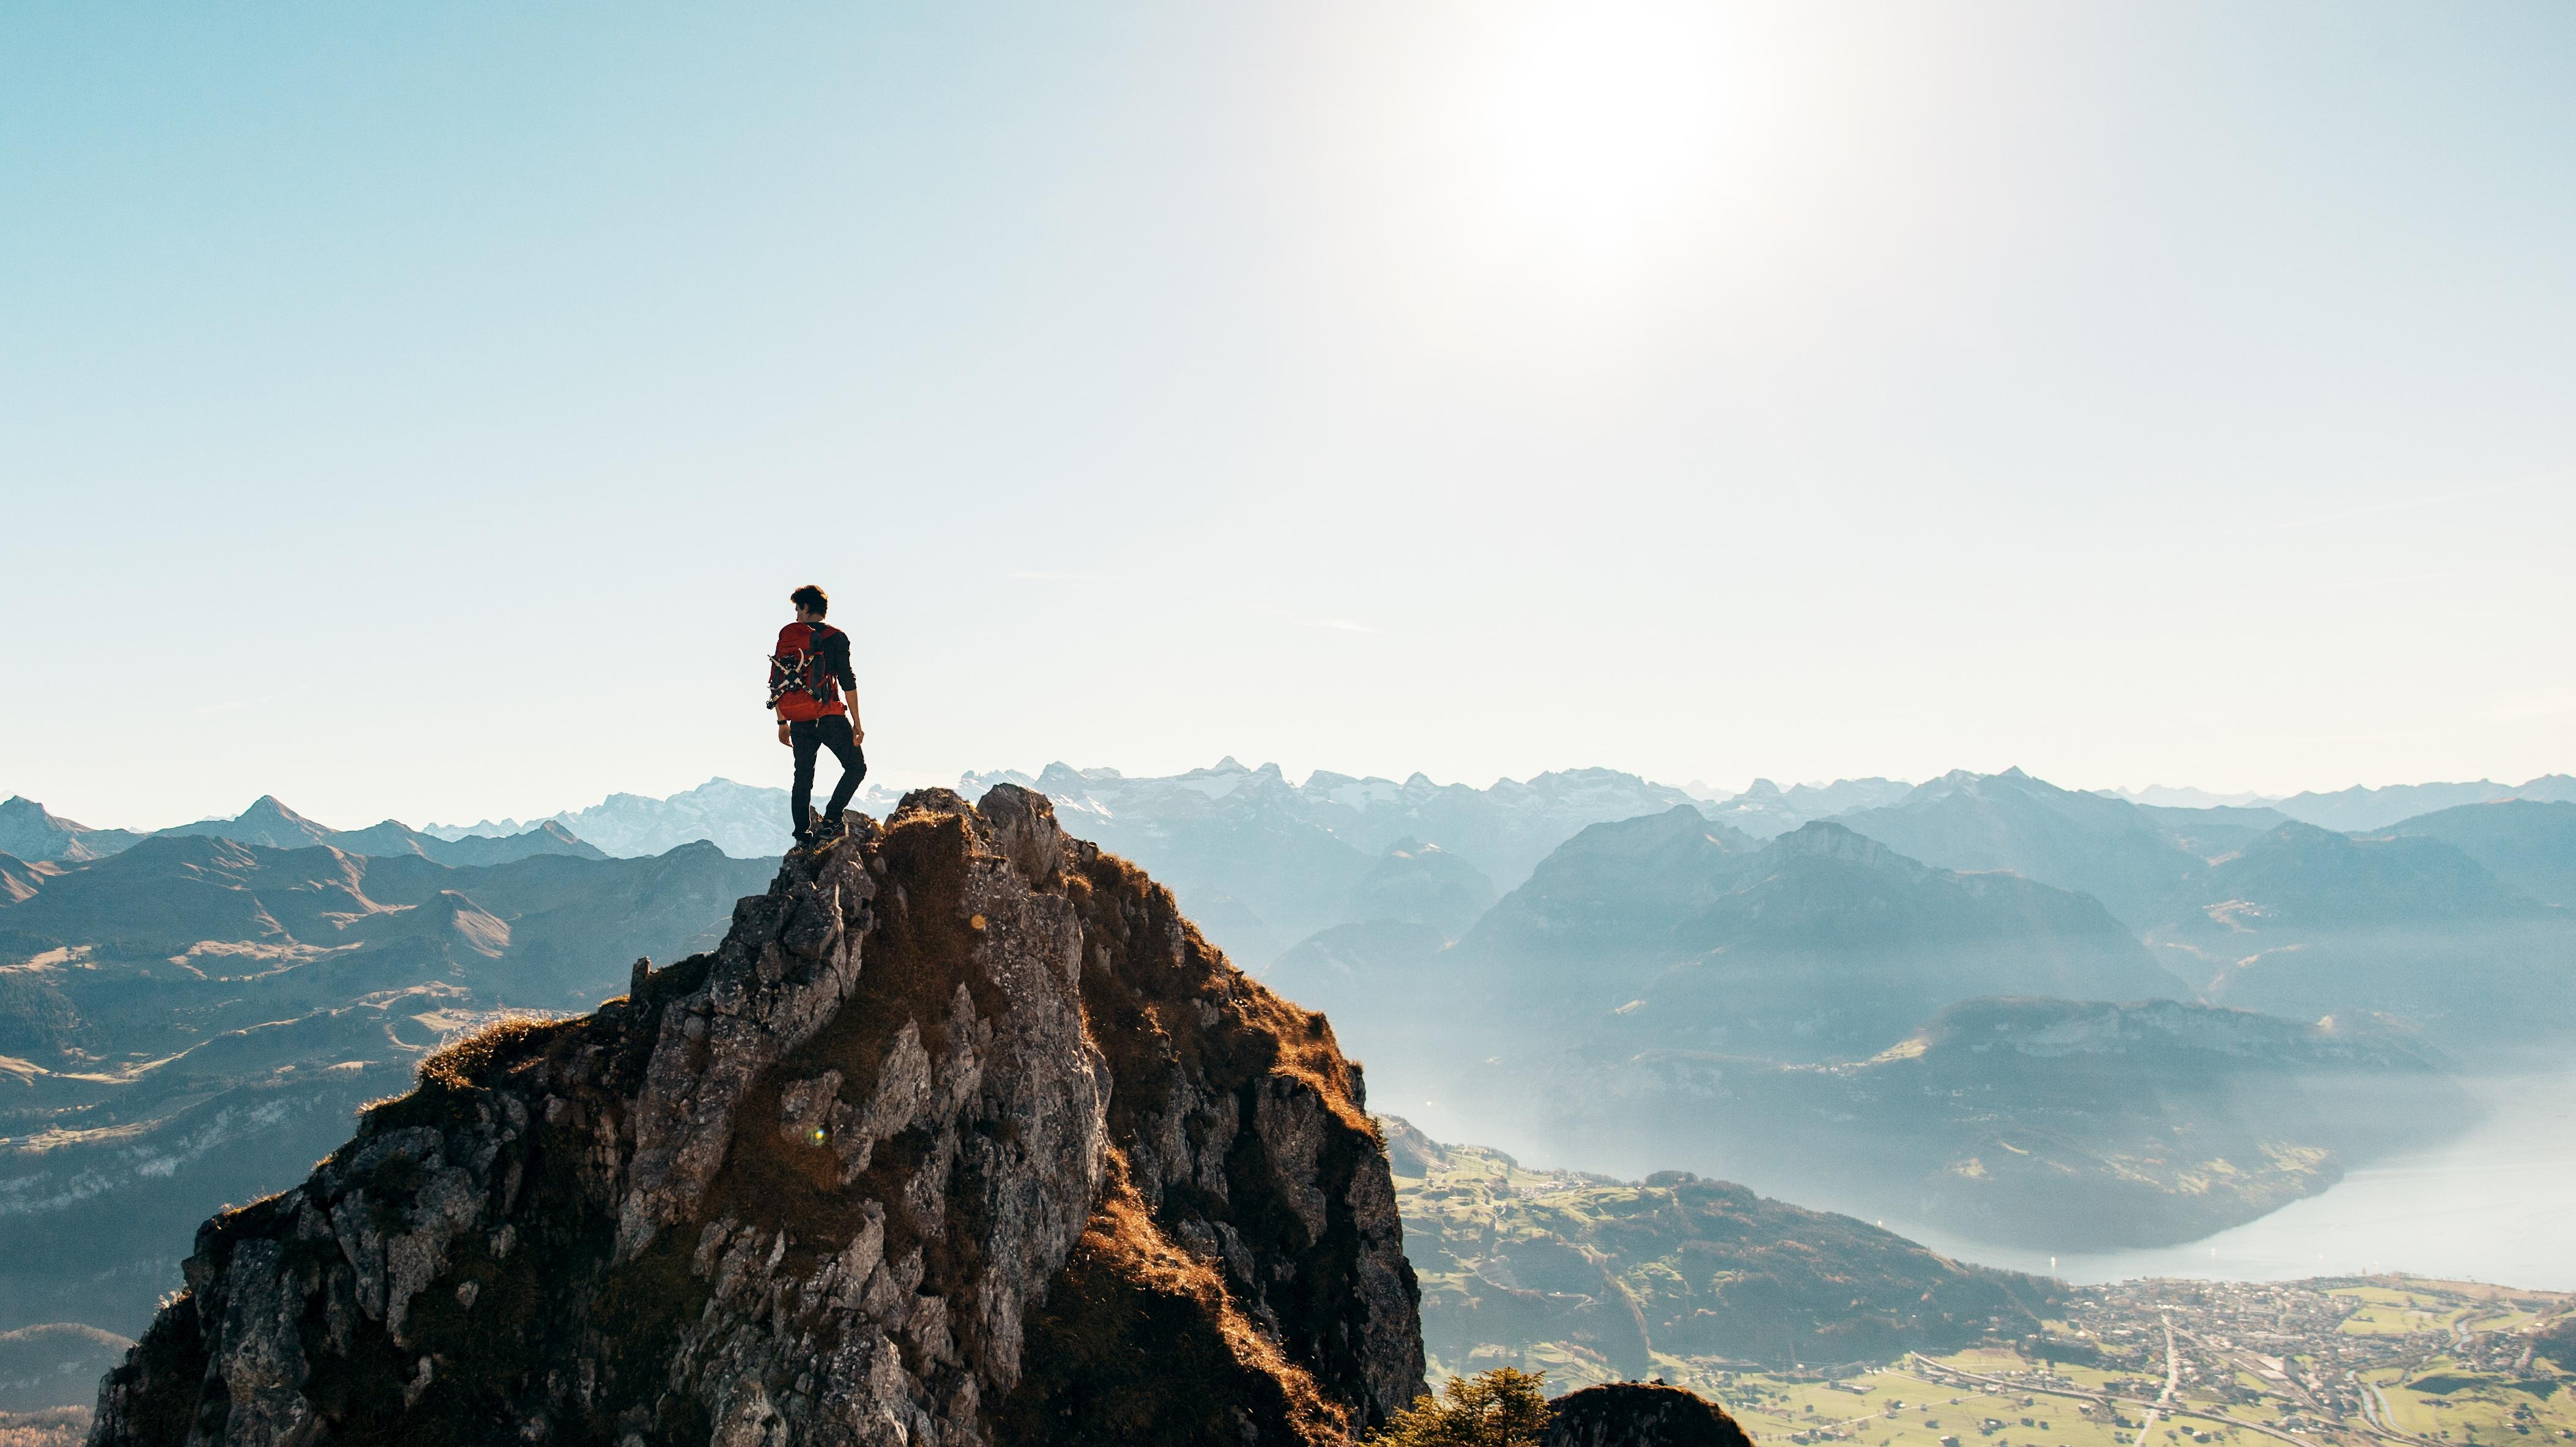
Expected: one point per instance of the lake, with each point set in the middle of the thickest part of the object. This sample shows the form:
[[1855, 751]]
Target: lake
[[2496, 1205]]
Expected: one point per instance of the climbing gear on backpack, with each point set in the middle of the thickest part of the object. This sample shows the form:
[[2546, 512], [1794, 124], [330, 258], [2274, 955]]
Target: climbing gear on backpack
[[801, 683]]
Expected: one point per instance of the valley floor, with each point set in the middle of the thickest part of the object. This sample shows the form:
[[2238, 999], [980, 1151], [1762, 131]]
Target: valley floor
[[2337, 1363]]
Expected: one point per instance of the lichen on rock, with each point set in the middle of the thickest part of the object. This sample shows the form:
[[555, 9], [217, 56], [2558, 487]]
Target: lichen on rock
[[963, 1135]]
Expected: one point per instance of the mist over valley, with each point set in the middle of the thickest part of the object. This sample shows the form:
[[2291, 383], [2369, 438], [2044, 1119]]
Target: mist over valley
[[2025, 1022]]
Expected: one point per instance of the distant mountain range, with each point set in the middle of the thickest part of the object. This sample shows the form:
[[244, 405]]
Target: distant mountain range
[[1765, 809], [1261, 863], [33, 833], [192, 1020], [746, 821], [2169, 797], [2111, 849], [2307, 922], [1821, 944], [1349, 874], [1340, 886], [2528, 844], [1834, 946], [2143, 860], [2358, 809], [29, 832], [1566, 962], [1666, 990], [750, 821]]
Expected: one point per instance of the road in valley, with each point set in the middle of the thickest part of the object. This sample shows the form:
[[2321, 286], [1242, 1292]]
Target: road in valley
[[2381, 1413], [1939, 1374], [2173, 1379]]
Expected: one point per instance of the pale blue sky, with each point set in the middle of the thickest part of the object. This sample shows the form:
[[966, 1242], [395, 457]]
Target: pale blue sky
[[434, 403]]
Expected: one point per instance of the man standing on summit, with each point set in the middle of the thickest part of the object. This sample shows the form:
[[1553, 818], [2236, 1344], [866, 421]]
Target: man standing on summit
[[815, 698]]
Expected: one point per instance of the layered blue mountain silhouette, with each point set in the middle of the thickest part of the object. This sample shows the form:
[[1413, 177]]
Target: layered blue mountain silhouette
[[192, 1019], [2022, 1012], [30, 832]]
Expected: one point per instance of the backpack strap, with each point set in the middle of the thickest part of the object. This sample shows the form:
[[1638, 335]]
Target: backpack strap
[[820, 680]]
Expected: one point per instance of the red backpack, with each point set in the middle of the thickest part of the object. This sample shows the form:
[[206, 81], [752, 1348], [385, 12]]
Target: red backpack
[[801, 685]]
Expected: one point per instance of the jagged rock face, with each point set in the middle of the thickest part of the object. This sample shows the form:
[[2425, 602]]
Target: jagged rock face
[[962, 1136], [1640, 1414]]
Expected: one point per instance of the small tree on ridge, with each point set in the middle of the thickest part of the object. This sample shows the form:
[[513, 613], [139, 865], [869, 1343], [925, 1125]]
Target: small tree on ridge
[[1505, 1407]]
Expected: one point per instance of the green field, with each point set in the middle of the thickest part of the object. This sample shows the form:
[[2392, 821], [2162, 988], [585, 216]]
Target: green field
[[1896, 1408], [2398, 1311], [2438, 1400], [1587, 1280], [2447, 1402]]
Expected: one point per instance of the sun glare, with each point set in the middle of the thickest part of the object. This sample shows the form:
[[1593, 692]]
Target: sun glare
[[1605, 121]]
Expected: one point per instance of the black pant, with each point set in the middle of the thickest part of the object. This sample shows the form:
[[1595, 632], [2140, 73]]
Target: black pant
[[831, 731]]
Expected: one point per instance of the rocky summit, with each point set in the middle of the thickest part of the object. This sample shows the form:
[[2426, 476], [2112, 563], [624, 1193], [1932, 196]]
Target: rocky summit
[[963, 1135], [1639, 1414]]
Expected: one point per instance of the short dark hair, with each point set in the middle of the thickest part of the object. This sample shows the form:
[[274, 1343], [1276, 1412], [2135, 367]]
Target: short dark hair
[[812, 599]]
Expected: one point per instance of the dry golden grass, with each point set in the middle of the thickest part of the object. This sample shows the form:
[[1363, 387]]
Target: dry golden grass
[[52, 1427], [459, 1064], [1139, 1344]]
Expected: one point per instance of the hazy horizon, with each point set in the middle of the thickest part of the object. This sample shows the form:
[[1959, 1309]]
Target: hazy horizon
[[876, 781]]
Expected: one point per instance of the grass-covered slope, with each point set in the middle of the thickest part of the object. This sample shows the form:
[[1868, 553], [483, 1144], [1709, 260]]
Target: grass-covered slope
[[1591, 1279]]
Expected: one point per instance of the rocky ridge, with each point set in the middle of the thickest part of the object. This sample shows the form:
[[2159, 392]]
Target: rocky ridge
[[1639, 1414], [963, 1135]]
